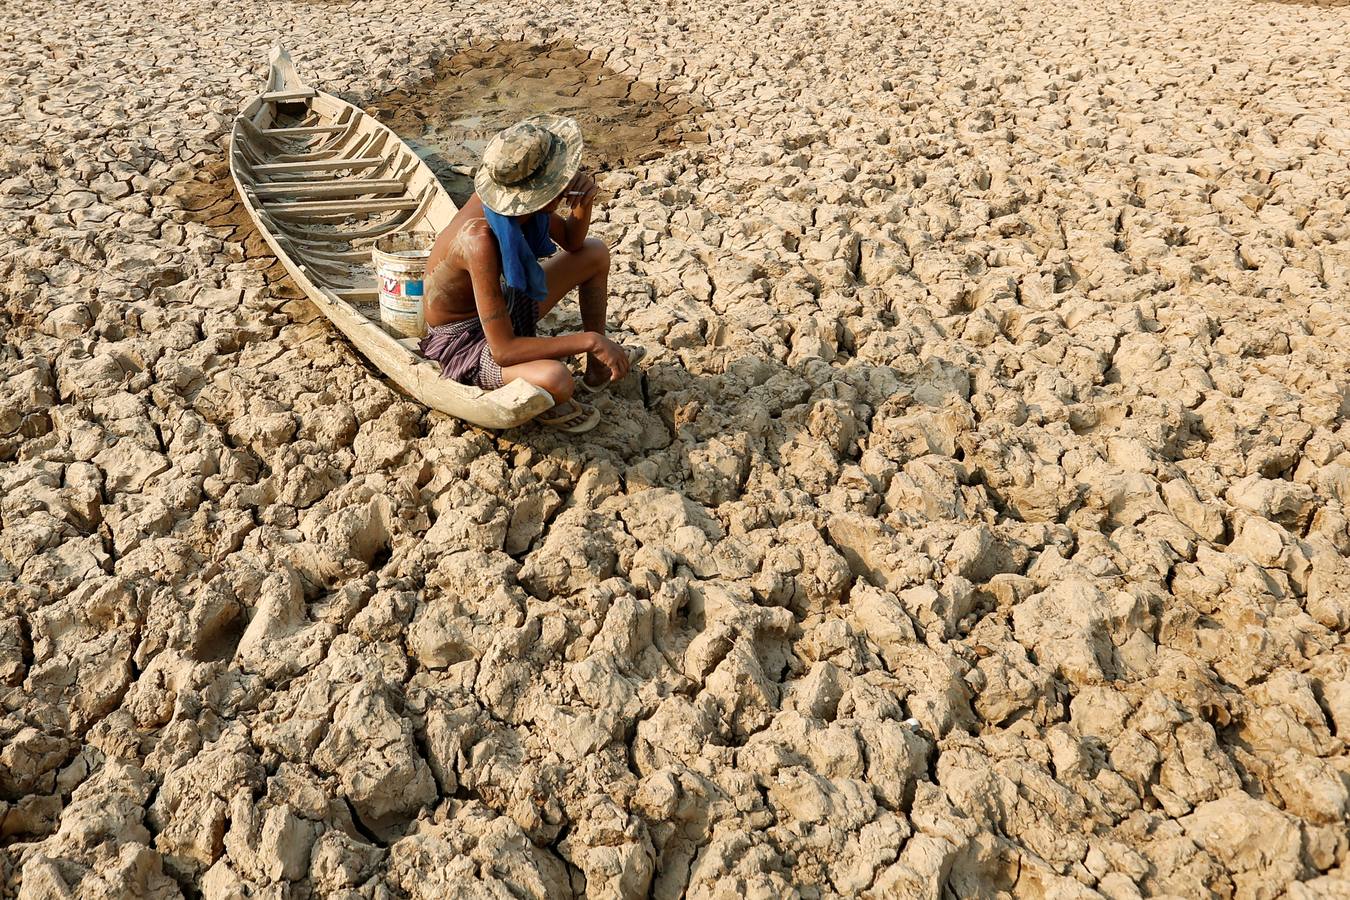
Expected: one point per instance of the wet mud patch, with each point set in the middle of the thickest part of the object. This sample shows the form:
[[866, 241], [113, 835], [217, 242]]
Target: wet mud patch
[[449, 117], [210, 199]]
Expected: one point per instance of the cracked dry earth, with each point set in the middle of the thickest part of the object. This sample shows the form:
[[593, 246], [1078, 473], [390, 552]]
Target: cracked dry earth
[[979, 528]]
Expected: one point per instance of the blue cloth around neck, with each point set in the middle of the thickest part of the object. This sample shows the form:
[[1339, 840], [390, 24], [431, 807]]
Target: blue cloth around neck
[[521, 245]]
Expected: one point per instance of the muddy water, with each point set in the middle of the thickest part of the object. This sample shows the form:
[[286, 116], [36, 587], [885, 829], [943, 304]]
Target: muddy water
[[450, 117]]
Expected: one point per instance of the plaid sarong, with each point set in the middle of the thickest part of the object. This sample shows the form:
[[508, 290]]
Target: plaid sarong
[[462, 349]]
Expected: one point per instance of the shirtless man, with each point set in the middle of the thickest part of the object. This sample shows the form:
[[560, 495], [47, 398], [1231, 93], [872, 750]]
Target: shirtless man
[[486, 288]]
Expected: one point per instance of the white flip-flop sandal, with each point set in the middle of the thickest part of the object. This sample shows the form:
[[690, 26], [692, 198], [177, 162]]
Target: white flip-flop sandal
[[635, 356], [570, 416]]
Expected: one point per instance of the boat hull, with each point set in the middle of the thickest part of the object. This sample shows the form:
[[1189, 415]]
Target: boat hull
[[322, 180]]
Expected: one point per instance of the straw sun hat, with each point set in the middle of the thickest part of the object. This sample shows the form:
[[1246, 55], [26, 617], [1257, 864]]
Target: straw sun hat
[[528, 164]]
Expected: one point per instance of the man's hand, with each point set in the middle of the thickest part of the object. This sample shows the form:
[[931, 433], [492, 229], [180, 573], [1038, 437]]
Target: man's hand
[[570, 232], [612, 356], [581, 191]]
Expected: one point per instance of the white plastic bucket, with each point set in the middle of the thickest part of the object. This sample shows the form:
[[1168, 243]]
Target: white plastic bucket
[[400, 266]]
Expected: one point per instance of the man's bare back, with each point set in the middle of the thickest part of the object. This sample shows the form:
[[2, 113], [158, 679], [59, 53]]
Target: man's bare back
[[449, 288]]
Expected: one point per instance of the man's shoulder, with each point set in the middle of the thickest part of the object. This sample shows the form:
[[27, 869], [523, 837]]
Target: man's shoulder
[[476, 242]]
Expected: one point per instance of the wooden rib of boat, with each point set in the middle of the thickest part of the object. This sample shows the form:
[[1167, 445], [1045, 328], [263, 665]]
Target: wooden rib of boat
[[323, 181]]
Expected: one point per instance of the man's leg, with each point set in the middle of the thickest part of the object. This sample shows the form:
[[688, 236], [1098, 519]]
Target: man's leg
[[554, 377], [548, 374], [587, 270]]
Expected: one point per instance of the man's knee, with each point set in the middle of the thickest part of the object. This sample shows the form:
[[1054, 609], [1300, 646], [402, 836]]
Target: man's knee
[[596, 252], [556, 378]]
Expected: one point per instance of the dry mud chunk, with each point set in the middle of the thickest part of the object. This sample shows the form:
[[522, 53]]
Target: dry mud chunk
[[661, 517], [508, 679], [468, 518], [372, 751], [459, 619], [128, 466], [1205, 519], [582, 549], [25, 399], [718, 471], [675, 733], [936, 611], [940, 694], [865, 854], [474, 849], [451, 732], [1009, 683], [792, 740], [1023, 472], [205, 624], [1030, 805], [932, 488], [513, 772], [1287, 503], [337, 862], [1328, 587], [279, 639], [1194, 769], [1311, 788], [896, 758], [801, 571], [1066, 625], [939, 850], [877, 553], [82, 648], [1258, 844], [612, 850], [980, 553], [920, 432], [269, 845], [354, 524], [101, 847], [817, 694], [55, 568], [190, 812], [273, 838], [135, 871], [681, 808], [1125, 497], [798, 795], [1285, 713], [29, 758], [730, 614], [742, 692], [343, 718], [739, 861]]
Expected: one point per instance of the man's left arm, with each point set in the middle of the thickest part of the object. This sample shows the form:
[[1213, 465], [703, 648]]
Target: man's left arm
[[570, 232]]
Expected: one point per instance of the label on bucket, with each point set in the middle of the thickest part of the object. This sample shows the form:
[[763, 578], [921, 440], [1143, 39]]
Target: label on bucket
[[398, 287], [401, 305]]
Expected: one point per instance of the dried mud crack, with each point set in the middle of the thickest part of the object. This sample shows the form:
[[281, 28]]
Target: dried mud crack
[[978, 527]]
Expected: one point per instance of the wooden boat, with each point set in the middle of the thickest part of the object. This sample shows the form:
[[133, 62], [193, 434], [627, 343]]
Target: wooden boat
[[323, 181]]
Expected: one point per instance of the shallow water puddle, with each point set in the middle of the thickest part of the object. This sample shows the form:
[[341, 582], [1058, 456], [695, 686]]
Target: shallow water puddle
[[450, 117]]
